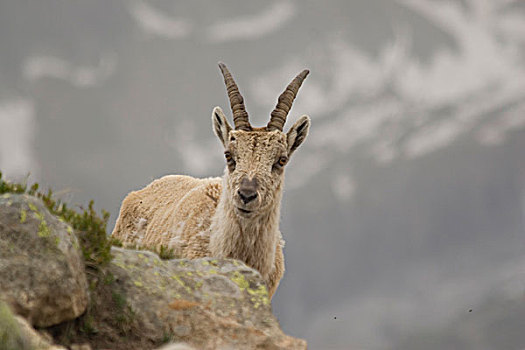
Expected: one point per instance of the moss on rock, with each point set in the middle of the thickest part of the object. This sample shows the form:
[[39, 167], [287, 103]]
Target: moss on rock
[[11, 338]]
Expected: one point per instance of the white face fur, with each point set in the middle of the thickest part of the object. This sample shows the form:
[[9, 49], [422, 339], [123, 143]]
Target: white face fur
[[255, 162]]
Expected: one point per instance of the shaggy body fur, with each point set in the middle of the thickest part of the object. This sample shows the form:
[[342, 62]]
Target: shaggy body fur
[[236, 216], [178, 212]]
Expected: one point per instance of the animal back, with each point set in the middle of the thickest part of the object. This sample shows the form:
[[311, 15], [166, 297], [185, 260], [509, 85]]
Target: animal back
[[173, 211]]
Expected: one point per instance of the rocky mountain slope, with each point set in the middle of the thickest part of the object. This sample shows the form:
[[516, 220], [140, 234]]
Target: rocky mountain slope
[[53, 297]]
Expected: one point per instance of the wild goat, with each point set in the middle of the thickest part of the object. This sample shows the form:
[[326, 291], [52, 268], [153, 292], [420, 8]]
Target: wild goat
[[236, 216]]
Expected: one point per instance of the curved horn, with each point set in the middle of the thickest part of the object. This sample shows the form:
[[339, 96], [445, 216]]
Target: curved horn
[[285, 101], [240, 116]]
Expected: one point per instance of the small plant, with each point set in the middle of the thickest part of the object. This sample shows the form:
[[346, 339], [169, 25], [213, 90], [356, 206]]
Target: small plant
[[124, 315], [88, 325], [119, 300], [108, 278], [8, 187], [166, 253], [116, 242], [166, 338]]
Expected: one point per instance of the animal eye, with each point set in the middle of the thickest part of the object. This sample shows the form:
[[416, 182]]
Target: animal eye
[[280, 163], [232, 138], [229, 160]]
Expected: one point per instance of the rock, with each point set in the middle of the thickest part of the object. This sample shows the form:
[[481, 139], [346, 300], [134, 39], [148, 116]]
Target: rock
[[206, 303], [11, 338], [80, 347], [176, 346], [36, 340], [138, 301], [42, 274], [17, 334]]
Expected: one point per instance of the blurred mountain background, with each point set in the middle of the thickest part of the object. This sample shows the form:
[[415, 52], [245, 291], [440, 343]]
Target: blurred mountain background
[[404, 211]]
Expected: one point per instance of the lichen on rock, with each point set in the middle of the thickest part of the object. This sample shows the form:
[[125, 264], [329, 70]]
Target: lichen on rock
[[193, 299], [41, 269]]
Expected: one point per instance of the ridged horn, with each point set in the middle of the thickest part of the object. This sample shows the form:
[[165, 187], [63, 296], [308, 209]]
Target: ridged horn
[[240, 116], [285, 101]]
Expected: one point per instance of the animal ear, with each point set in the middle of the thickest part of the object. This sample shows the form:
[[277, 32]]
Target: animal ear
[[220, 125], [298, 133]]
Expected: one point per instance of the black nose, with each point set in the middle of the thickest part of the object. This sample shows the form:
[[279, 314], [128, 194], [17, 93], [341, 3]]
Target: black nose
[[248, 190], [247, 196]]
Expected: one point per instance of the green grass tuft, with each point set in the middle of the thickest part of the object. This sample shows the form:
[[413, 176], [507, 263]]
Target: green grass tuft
[[166, 253], [8, 187]]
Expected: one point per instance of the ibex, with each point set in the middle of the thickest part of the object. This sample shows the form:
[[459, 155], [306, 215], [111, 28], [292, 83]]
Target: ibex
[[236, 216]]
